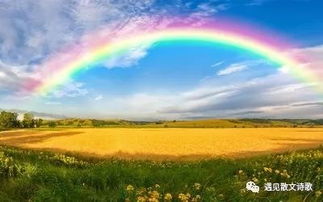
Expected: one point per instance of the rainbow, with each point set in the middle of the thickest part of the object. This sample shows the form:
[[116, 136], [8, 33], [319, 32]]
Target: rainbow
[[59, 69]]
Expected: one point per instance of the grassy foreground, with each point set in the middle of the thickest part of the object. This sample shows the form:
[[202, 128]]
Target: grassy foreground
[[27, 175]]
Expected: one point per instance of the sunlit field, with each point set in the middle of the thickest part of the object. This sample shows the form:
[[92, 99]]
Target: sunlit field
[[158, 164], [167, 143]]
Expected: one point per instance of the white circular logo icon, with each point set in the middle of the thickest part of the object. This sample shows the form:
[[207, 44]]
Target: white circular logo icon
[[251, 186]]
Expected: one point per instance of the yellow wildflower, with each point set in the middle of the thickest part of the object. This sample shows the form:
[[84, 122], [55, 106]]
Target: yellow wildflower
[[141, 199], [168, 196], [268, 169], [153, 200], [196, 198], [184, 197], [318, 193], [154, 194], [141, 191], [130, 188], [255, 180], [197, 186]]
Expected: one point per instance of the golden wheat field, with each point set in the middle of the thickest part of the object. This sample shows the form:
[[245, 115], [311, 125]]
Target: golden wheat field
[[161, 143]]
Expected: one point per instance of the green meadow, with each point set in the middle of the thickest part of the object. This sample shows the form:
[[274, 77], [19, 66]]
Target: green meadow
[[28, 175]]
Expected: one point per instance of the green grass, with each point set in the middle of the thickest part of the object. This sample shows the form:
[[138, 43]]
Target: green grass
[[27, 175]]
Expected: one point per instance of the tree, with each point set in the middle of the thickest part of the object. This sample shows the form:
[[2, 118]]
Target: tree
[[8, 120], [52, 124], [38, 122], [101, 123], [87, 123], [28, 121]]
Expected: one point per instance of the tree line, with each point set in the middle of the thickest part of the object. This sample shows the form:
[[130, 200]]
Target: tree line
[[77, 122], [10, 120]]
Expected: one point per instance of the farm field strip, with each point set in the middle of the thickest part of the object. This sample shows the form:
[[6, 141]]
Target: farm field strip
[[167, 142]]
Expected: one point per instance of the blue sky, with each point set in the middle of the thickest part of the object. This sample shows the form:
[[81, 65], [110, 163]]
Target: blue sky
[[183, 80]]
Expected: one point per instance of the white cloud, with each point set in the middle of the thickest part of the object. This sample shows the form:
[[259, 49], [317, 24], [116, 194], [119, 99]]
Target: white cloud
[[128, 59], [99, 97], [217, 64], [70, 89], [2, 74], [312, 57], [13, 77], [208, 9], [256, 2], [233, 68], [284, 69], [31, 31], [53, 103]]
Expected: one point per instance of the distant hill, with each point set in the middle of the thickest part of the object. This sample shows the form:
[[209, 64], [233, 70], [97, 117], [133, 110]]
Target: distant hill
[[55, 120], [244, 123], [208, 123]]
